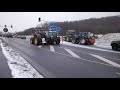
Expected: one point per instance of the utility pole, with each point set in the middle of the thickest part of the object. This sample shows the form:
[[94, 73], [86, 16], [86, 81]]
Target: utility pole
[[39, 20]]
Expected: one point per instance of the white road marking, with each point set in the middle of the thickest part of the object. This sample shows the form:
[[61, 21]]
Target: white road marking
[[40, 46], [52, 48], [78, 58], [72, 53], [106, 60], [118, 73], [88, 53]]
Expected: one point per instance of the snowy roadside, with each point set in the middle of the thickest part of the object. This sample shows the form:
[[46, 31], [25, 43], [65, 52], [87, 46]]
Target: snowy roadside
[[19, 67], [103, 46], [105, 40], [87, 47], [28, 37]]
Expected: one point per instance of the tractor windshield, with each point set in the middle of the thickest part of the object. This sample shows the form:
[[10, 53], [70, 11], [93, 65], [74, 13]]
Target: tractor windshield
[[86, 34], [52, 33], [70, 33], [83, 34]]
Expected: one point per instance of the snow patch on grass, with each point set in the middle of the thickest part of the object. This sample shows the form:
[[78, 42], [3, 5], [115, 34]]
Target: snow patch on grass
[[28, 37], [106, 40], [19, 67]]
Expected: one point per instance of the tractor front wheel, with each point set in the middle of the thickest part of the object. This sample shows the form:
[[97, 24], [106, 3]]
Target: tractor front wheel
[[37, 41], [31, 41], [73, 41], [58, 41], [67, 39], [82, 41]]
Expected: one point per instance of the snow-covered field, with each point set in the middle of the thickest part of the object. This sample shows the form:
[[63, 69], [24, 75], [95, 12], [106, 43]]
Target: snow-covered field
[[19, 67], [106, 40]]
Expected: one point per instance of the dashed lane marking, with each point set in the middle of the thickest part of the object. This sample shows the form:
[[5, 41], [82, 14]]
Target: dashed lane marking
[[72, 53], [52, 48], [91, 53], [40, 46], [118, 73], [106, 60]]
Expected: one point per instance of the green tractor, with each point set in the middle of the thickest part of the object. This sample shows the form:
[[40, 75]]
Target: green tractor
[[45, 37], [69, 35]]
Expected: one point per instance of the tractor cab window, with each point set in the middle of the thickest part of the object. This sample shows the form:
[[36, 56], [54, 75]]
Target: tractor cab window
[[86, 34], [43, 34], [52, 33], [83, 34], [70, 33]]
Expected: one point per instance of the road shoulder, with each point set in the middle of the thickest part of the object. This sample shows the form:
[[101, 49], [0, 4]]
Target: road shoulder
[[4, 69]]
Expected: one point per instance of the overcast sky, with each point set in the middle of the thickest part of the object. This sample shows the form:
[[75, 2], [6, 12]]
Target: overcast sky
[[24, 20]]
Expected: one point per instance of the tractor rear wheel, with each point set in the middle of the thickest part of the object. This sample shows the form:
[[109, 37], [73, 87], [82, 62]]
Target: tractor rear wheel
[[74, 41], [37, 41], [51, 42], [58, 41], [65, 38]]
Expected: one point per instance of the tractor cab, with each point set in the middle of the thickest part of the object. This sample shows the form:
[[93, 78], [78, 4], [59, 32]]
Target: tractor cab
[[84, 38], [70, 33], [86, 34], [52, 33]]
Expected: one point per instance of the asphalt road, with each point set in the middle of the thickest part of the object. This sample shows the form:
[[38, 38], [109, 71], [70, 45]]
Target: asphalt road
[[4, 69], [62, 61]]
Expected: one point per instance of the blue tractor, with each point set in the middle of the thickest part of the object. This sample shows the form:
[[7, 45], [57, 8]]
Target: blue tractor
[[83, 38]]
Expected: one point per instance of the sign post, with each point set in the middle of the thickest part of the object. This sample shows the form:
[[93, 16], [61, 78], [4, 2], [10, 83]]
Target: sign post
[[5, 29]]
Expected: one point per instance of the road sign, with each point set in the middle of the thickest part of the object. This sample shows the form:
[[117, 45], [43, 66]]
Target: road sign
[[53, 27], [5, 30]]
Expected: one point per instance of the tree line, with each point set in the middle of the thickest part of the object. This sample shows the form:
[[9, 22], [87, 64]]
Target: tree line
[[96, 25]]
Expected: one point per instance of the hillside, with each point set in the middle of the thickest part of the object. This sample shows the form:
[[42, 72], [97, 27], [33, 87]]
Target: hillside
[[96, 25]]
